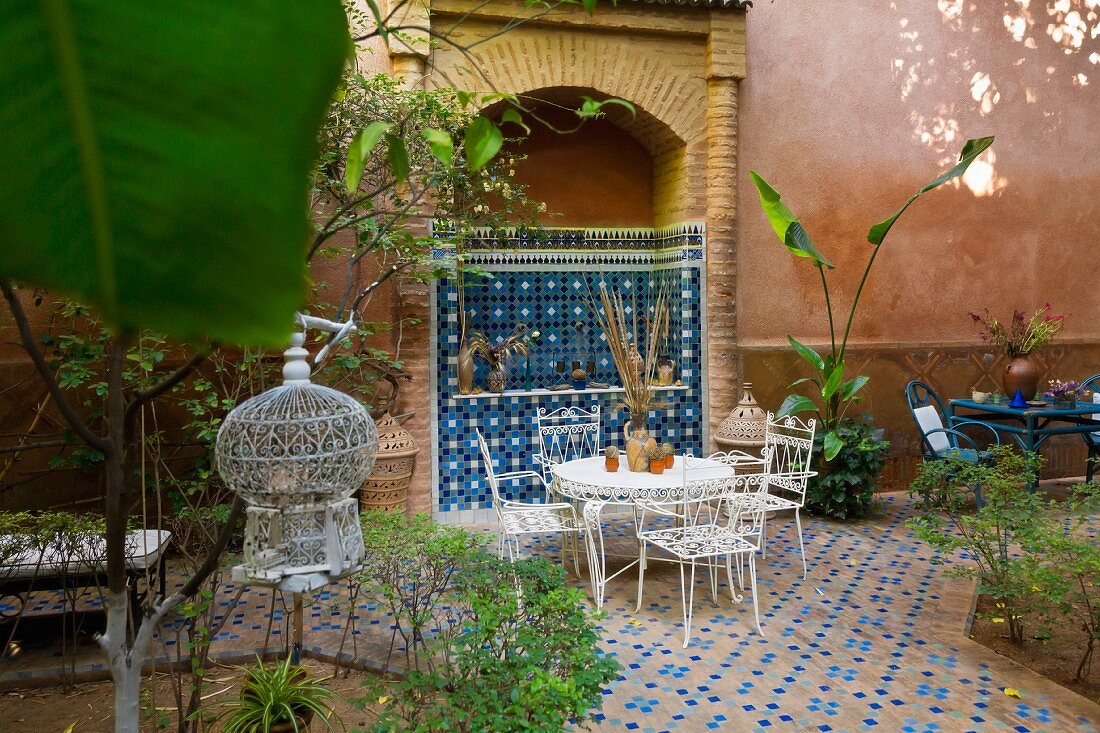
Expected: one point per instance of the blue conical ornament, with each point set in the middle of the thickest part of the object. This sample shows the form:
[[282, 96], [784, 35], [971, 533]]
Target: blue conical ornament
[[1018, 400]]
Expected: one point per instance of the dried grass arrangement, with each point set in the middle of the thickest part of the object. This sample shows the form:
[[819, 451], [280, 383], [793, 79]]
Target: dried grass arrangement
[[637, 369]]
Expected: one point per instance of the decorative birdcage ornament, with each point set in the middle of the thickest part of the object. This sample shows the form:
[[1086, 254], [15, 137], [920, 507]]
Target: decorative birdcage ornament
[[746, 425], [296, 453]]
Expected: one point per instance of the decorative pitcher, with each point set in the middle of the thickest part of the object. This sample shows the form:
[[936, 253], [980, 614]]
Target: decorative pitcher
[[638, 444]]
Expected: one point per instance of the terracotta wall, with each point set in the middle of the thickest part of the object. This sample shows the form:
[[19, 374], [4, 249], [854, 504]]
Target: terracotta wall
[[847, 108], [598, 176]]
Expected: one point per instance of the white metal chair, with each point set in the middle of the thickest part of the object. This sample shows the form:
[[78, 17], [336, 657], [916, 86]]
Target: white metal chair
[[707, 524], [788, 455], [518, 518], [565, 434]]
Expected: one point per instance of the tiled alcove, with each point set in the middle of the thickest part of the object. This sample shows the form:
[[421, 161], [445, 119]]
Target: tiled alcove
[[548, 283]]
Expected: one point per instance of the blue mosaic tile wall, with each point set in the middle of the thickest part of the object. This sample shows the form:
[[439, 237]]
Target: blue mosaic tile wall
[[552, 299]]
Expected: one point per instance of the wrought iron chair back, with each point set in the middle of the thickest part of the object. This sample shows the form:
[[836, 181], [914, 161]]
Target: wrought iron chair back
[[788, 453], [490, 474], [565, 434]]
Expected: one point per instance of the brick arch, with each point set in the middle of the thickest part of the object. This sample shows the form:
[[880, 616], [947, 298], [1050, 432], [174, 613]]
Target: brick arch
[[520, 62]]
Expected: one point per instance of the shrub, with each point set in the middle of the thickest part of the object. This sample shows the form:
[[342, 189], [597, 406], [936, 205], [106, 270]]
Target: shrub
[[845, 489], [1063, 570], [991, 536], [512, 646]]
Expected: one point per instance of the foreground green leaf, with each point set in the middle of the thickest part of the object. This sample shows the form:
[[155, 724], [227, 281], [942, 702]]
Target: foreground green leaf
[[157, 157], [795, 404], [808, 355], [787, 227], [483, 142], [833, 444], [359, 150]]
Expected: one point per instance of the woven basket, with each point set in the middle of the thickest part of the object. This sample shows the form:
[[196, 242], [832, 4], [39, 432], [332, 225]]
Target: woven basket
[[387, 488]]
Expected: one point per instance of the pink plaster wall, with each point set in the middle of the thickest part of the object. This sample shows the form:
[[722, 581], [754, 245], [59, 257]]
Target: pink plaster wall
[[848, 107]]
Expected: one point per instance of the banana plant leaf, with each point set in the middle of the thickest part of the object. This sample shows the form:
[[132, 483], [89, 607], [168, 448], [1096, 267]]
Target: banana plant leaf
[[156, 156]]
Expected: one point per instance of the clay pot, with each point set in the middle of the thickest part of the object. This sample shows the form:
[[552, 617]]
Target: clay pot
[[669, 460], [387, 487], [657, 466], [638, 444], [1021, 373], [465, 368], [611, 465], [496, 380]]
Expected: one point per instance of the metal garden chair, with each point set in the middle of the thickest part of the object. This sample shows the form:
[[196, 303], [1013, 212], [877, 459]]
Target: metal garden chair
[[565, 434], [1092, 440], [518, 518], [707, 525], [940, 440], [788, 456]]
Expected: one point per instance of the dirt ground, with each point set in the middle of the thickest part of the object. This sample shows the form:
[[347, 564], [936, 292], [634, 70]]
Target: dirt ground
[[1055, 658], [87, 707]]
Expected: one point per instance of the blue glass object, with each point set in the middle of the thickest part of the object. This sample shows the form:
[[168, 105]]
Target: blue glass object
[[1018, 400]]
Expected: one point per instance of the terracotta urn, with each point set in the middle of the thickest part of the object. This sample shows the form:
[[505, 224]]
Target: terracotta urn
[[611, 465], [1021, 373], [657, 464]]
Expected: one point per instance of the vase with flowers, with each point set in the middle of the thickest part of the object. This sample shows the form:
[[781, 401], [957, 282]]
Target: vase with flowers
[[637, 370], [497, 354], [1017, 341], [1063, 394]]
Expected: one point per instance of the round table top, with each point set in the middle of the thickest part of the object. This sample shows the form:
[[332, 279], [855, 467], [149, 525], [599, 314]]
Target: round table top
[[586, 478]]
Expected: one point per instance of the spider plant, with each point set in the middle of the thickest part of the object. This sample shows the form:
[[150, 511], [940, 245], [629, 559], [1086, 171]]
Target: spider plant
[[272, 697]]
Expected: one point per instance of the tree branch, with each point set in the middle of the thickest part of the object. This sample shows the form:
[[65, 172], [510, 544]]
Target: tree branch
[[94, 441], [191, 587], [170, 381]]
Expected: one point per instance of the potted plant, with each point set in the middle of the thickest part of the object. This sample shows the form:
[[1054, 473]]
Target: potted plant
[[656, 460], [496, 355], [281, 699], [844, 483], [668, 453], [580, 379], [611, 459], [1063, 394], [1017, 342]]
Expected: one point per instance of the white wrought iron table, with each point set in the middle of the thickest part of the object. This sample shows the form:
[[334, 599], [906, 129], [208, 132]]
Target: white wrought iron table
[[586, 480]]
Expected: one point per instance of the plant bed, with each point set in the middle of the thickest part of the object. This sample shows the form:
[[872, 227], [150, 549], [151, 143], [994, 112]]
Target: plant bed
[[1055, 658]]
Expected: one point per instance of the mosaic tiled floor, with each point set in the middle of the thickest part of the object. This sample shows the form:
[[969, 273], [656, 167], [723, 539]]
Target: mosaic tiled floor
[[869, 641]]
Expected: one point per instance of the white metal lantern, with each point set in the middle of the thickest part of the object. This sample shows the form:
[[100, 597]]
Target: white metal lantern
[[296, 454]]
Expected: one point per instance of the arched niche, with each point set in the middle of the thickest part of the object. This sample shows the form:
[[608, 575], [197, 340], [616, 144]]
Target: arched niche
[[624, 169]]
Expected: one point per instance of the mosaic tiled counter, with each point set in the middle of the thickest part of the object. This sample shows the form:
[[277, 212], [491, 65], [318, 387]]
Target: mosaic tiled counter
[[548, 283]]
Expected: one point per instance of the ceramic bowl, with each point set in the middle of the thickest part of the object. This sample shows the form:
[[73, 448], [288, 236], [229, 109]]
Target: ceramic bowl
[[980, 397]]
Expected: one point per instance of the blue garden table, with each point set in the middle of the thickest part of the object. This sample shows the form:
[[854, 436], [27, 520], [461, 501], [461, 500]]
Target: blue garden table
[[1031, 426]]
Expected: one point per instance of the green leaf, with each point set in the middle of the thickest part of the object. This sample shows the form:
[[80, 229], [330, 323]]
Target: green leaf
[[398, 157], [441, 144], [512, 115], [483, 141], [795, 404], [832, 382], [969, 154], [848, 389], [155, 164], [359, 150], [589, 6], [808, 354], [833, 444], [786, 226]]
